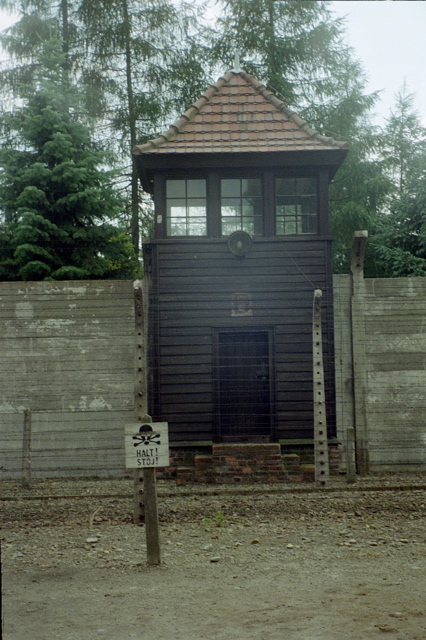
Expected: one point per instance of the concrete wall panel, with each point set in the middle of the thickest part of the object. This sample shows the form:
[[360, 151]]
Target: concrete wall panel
[[67, 354]]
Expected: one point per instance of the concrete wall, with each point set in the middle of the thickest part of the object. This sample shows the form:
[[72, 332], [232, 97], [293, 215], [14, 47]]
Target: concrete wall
[[395, 325], [67, 354], [380, 328]]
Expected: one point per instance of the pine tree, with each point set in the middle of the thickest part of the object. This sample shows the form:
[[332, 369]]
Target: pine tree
[[403, 139], [57, 202], [136, 64], [148, 66], [398, 247]]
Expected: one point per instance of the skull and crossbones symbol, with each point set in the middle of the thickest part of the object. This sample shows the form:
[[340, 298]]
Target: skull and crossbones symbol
[[146, 436]]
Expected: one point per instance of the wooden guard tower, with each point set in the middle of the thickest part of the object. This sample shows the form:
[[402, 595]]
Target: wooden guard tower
[[240, 185]]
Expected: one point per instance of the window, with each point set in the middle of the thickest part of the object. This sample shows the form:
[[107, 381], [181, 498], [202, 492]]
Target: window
[[296, 205], [241, 205], [186, 207]]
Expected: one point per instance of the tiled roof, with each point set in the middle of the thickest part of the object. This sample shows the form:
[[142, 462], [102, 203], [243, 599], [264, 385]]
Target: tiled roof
[[238, 114]]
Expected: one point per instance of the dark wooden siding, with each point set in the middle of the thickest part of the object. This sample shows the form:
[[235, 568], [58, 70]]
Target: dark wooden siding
[[192, 287]]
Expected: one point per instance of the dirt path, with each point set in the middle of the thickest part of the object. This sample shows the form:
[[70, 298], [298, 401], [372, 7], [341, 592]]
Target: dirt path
[[294, 565]]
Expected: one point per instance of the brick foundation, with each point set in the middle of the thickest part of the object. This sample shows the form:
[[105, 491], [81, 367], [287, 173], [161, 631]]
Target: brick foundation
[[334, 459], [248, 463], [244, 463]]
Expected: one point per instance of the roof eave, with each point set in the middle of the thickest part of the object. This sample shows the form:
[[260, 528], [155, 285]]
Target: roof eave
[[148, 164]]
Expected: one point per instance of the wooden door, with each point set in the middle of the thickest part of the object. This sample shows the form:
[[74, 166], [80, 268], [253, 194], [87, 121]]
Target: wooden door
[[244, 387]]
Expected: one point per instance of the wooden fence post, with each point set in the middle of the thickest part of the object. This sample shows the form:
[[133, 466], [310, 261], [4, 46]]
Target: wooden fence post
[[151, 516], [358, 349], [320, 416], [26, 451]]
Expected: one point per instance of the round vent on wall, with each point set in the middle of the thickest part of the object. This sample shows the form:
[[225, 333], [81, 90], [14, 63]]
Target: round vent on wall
[[239, 243]]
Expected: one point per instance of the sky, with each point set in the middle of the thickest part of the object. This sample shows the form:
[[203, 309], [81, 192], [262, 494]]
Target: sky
[[389, 38]]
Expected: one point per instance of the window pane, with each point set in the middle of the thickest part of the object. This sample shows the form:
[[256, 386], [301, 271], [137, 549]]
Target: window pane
[[231, 207], [279, 226], [286, 204], [296, 205], [186, 207], [230, 188], [177, 227], [196, 208], [197, 227], [241, 205], [252, 206], [285, 186], [248, 208], [230, 225], [306, 186], [176, 209], [251, 187], [175, 188], [308, 204], [309, 224], [248, 225], [196, 188], [289, 225], [290, 210]]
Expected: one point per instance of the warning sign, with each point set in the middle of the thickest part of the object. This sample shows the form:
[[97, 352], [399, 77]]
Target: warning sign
[[146, 445]]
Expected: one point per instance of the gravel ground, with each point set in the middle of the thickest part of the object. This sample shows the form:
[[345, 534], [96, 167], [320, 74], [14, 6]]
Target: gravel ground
[[254, 562]]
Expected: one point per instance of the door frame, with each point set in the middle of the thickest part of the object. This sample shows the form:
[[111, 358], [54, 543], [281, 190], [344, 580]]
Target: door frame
[[217, 431]]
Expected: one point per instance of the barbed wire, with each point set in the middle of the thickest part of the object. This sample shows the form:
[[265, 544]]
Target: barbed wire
[[43, 368]]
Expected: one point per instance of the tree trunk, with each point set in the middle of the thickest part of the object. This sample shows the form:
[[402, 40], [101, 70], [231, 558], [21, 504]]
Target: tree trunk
[[132, 127], [65, 36], [271, 55]]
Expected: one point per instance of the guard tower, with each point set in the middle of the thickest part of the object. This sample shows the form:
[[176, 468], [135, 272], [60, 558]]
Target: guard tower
[[240, 186]]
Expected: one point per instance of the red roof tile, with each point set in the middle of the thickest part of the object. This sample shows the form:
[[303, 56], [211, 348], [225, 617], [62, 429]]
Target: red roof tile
[[238, 114]]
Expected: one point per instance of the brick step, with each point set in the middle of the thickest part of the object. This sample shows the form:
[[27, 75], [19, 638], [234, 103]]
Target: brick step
[[185, 475], [308, 472]]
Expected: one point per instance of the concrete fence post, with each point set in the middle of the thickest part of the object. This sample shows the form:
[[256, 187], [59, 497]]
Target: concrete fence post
[[358, 349], [26, 451], [350, 456], [320, 415], [141, 408]]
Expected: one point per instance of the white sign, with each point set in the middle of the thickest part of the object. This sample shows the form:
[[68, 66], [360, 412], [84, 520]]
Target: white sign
[[146, 445]]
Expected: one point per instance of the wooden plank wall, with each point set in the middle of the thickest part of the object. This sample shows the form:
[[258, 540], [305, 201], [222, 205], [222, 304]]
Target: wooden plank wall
[[193, 288], [67, 354]]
